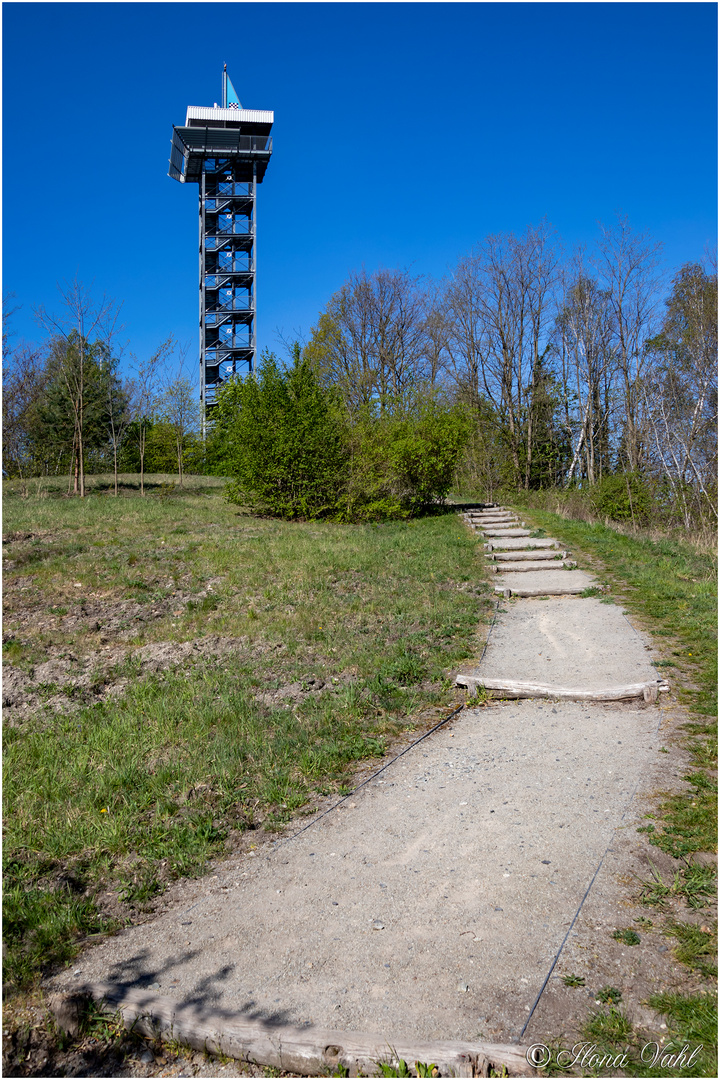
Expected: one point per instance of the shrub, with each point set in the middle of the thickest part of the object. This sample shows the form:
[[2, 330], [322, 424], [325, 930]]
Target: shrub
[[403, 457], [623, 497], [291, 449], [285, 443]]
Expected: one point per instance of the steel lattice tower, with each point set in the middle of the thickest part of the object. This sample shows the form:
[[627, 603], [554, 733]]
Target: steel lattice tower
[[225, 150]]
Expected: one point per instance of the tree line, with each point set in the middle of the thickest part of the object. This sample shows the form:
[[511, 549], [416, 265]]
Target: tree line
[[575, 371], [590, 370], [68, 408]]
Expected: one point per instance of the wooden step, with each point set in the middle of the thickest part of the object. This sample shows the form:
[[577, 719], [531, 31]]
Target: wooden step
[[528, 556], [498, 524], [505, 534], [514, 688], [550, 590], [520, 545], [502, 514], [298, 1051], [519, 568]]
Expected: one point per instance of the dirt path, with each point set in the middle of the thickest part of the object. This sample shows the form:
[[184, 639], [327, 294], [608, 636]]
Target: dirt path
[[441, 900]]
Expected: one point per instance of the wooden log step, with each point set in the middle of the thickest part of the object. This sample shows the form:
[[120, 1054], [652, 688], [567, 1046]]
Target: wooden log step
[[514, 688], [503, 515], [549, 590], [492, 521], [528, 556], [307, 1051], [499, 524], [520, 567], [521, 545], [504, 534], [511, 523]]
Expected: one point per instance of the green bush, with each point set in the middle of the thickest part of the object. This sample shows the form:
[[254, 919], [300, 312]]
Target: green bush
[[623, 497], [285, 442], [403, 457], [293, 451]]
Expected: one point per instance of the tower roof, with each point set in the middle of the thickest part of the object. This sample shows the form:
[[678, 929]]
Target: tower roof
[[251, 121], [241, 134]]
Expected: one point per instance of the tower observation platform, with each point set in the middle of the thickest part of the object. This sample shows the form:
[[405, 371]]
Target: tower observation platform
[[225, 150]]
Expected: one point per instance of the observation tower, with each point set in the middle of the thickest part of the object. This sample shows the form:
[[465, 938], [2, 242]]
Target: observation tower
[[225, 150]]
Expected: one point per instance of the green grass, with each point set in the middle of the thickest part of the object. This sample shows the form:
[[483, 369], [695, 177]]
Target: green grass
[[160, 484], [687, 821], [691, 1020], [696, 947], [626, 937], [695, 884], [573, 980], [123, 795], [689, 1047], [610, 1027]]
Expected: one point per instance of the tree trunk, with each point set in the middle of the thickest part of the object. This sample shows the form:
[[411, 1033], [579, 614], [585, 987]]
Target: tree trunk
[[142, 460], [81, 457], [178, 447]]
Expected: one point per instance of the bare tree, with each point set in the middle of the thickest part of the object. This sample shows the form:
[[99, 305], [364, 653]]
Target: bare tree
[[500, 297], [81, 324], [146, 392], [371, 340], [464, 343], [118, 398], [179, 407], [627, 263], [680, 393], [437, 328], [583, 339], [24, 379]]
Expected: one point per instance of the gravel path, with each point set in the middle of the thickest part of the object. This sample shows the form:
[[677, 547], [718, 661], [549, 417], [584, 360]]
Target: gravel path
[[433, 902], [462, 866]]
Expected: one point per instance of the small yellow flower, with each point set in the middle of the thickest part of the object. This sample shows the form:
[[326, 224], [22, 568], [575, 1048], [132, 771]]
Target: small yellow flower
[[103, 811]]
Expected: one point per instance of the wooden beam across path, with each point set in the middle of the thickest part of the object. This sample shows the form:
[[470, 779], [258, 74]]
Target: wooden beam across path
[[504, 534], [306, 1051], [523, 567], [548, 590], [514, 688], [492, 517], [482, 522], [528, 556], [520, 545], [499, 523]]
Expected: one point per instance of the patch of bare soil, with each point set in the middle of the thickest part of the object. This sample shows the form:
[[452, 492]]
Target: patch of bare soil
[[66, 682]]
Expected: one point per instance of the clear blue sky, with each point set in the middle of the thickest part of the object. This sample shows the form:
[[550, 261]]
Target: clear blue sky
[[404, 133]]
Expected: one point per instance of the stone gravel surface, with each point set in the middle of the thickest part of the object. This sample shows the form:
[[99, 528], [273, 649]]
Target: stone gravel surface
[[432, 903]]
